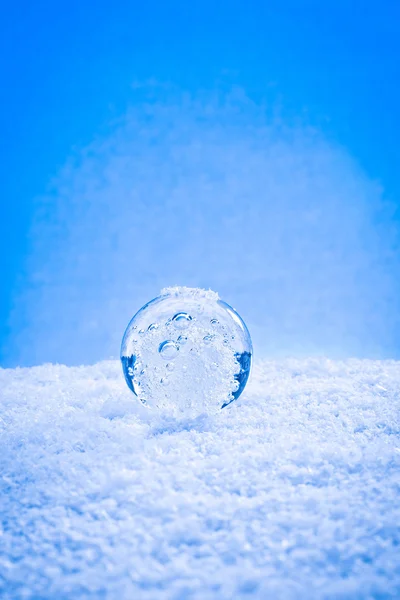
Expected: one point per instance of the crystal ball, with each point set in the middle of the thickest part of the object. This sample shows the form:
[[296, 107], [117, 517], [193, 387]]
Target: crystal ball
[[186, 352]]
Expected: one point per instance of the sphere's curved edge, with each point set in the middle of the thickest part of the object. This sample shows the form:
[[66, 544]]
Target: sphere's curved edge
[[235, 315], [143, 308], [249, 355], [246, 362]]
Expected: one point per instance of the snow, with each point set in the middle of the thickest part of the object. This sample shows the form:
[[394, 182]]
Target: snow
[[197, 293], [292, 492]]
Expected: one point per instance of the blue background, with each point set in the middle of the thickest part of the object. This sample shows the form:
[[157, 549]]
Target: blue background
[[68, 70]]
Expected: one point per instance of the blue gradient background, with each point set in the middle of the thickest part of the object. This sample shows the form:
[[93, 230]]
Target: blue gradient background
[[251, 147]]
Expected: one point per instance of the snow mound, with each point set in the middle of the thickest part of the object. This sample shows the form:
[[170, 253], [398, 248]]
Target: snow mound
[[292, 492], [196, 293]]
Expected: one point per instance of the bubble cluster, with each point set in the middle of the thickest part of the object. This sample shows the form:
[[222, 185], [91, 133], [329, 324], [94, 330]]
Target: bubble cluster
[[187, 352]]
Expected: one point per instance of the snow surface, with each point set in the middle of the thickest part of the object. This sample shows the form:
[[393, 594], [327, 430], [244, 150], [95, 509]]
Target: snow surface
[[293, 492]]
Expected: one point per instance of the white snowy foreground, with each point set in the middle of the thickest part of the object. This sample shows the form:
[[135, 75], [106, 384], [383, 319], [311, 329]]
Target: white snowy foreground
[[292, 493]]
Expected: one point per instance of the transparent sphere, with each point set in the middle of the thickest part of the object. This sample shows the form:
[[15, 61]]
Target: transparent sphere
[[187, 352]]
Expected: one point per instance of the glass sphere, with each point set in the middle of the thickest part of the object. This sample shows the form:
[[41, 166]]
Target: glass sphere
[[186, 352]]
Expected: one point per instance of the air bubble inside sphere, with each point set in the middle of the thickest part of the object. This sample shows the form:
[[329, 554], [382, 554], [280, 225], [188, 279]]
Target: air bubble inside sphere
[[186, 352]]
